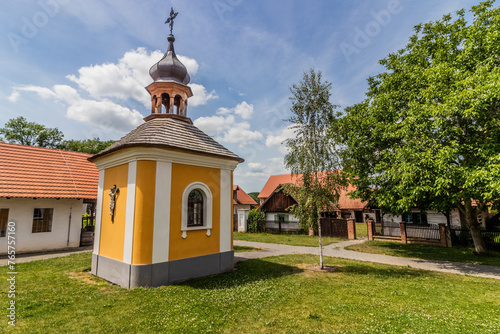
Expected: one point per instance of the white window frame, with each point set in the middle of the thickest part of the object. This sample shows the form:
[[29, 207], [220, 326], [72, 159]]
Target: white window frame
[[207, 209]]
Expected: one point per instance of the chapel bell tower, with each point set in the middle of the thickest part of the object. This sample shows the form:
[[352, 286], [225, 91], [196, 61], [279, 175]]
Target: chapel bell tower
[[169, 90]]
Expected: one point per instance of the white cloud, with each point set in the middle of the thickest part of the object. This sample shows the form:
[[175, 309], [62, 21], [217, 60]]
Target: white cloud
[[256, 166], [14, 96], [43, 92], [277, 140], [128, 77], [240, 134], [224, 111], [213, 125], [272, 166], [122, 80], [226, 129], [200, 95], [103, 114], [244, 110]]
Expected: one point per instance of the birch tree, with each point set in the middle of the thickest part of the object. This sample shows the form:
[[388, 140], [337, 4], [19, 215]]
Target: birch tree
[[311, 156]]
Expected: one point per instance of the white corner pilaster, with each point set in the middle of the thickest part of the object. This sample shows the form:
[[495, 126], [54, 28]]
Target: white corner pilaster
[[161, 234], [226, 225], [98, 212], [130, 213]]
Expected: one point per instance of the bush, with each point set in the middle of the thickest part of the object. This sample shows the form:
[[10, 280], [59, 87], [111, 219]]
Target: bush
[[254, 217]]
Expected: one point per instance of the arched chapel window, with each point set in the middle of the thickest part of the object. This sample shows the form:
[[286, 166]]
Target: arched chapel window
[[195, 208]]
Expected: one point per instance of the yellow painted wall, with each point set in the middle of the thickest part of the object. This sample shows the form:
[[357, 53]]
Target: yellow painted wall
[[142, 247], [113, 233], [197, 243]]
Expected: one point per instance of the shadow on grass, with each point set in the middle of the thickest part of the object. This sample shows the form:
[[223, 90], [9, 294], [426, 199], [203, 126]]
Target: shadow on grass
[[396, 272], [256, 270], [245, 272]]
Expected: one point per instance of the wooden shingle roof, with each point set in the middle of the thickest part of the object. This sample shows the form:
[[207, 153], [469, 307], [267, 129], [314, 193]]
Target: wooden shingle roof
[[172, 133], [27, 171]]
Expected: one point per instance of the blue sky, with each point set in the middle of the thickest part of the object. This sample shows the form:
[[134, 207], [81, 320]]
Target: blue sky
[[81, 66]]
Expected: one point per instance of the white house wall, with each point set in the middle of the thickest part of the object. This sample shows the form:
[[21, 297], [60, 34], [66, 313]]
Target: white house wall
[[291, 225], [433, 217], [291, 218], [21, 213], [237, 207]]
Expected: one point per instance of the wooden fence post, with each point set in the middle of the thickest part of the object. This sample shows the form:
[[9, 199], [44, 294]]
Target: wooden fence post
[[351, 229], [369, 228], [402, 227]]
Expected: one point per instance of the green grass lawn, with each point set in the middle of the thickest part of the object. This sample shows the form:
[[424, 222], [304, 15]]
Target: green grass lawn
[[427, 252], [238, 249], [361, 230], [285, 239], [272, 295]]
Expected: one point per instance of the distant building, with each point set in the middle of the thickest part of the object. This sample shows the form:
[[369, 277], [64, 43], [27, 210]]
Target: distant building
[[43, 192], [242, 204], [275, 203]]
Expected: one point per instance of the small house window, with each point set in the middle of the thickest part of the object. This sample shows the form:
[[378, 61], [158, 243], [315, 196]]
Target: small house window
[[415, 218], [281, 218], [4, 217], [195, 208], [42, 220]]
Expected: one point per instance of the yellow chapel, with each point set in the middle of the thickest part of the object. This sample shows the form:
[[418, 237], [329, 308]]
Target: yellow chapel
[[164, 205]]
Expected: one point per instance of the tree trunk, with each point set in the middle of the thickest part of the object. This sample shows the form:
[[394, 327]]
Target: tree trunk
[[477, 237], [474, 228], [320, 243]]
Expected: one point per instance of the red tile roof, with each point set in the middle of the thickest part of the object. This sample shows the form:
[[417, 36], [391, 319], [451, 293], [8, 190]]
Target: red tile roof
[[27, 171], [345, 202], [242, 197]]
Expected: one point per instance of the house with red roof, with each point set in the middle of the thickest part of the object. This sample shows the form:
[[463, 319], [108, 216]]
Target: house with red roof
[[42, 196], [275, 203], [242, 204]]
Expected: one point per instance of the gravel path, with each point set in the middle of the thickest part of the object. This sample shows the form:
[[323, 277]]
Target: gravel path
[[338, 250], [335, 250], [28, 257]]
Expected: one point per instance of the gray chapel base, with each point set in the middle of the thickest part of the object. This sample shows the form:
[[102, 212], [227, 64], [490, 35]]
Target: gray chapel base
[[130, 276]]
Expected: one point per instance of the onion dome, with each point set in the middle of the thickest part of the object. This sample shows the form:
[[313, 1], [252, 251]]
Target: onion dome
[[170, 68]]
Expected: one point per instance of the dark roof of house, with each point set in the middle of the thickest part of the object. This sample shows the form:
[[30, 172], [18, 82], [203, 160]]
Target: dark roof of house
[[171, 132], [28, 171]]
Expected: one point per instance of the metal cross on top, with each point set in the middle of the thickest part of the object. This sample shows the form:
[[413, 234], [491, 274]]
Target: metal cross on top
[[170, 20]]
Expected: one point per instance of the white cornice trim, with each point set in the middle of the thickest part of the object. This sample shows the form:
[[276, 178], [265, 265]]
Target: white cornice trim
[[160, 154]]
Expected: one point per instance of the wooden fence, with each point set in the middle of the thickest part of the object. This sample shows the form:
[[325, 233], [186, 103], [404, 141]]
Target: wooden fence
[[335, 228]]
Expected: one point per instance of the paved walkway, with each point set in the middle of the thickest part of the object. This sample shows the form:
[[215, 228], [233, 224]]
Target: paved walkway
[[28, 257], [338, 250], [335, 250]]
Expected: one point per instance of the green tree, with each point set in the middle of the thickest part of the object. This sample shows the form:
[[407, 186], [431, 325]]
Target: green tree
[[92, 146], [428, 133], [254, 217], [254, 196], [311, 154], [20, 131]]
